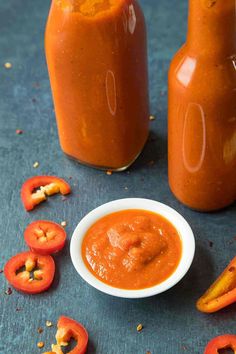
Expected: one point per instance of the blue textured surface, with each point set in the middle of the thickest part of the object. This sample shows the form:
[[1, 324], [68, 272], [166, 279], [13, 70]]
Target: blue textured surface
[[172, 325]]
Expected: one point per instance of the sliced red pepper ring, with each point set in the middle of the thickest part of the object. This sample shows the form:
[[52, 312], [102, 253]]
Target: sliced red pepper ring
[[29, 272], [222, 292], [36, 189], [227, 341], [45, 237], [68, 329]]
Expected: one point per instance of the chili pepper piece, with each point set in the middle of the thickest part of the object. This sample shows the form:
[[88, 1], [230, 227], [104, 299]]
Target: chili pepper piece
[[56, 349], [8, 291], [48, 185], [67, 329], [227, 341], [19, 131], [23, 281], [221, 293], [45, 237]]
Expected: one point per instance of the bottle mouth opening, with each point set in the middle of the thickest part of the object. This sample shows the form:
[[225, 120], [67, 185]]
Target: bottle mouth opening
[[87, 7]]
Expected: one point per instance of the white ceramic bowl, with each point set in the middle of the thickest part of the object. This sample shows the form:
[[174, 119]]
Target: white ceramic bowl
[[185, 232]]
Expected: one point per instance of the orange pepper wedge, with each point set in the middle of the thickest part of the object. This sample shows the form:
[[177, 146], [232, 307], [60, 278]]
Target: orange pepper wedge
[[221, 293]]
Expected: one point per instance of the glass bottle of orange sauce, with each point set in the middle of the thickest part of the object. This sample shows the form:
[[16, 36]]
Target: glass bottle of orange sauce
[[97, 60], [202, 108]]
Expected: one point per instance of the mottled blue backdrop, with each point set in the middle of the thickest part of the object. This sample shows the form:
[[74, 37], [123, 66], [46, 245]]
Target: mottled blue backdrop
[[171, 323]]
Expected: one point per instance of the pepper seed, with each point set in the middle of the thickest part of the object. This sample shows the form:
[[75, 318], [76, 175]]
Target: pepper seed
[[151, 118], [36, 164], [49, 324], [139, 327], [40, 344], [8, 65]]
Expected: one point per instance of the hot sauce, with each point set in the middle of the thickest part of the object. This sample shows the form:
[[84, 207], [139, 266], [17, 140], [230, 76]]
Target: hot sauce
[[132, 249], [202, 108], [97, 61]]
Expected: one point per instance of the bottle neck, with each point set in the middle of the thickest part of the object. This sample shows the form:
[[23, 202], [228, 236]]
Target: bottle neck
[[212, 27]]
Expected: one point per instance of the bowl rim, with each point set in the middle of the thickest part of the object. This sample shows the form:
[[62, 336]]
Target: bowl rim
[[184, 229]]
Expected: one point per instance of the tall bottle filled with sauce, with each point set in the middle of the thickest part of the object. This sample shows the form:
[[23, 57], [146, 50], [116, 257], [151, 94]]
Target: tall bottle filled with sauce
[[97, 61], [202, 108]]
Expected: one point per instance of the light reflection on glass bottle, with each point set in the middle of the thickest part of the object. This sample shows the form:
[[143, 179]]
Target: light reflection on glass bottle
[[97, 60], [202, 109]]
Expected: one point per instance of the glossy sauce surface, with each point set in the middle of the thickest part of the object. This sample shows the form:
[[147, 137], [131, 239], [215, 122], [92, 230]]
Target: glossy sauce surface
[[132, 249], [97, 60]]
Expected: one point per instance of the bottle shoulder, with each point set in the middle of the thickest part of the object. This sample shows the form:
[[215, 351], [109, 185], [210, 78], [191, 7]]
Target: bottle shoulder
[[187, 69], [207, 61]]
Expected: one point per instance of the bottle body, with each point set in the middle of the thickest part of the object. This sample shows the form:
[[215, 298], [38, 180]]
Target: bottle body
[[202, 111], [97, 65]]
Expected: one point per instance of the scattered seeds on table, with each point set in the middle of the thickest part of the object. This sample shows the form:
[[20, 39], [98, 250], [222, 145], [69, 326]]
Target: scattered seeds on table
[[49, 324], [8, 65], [36, 164], [139, 327], [40, 330], [40, 344], [8, 291], [63, 223], [126, 188], [19, 131], [151, 118], [1, 271], [109, 173]]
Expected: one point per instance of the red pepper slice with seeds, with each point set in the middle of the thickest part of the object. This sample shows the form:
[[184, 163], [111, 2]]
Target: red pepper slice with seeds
[[45, 237], [227, 341], [221, 293], [36, 189], [68, 329], [29, 272]]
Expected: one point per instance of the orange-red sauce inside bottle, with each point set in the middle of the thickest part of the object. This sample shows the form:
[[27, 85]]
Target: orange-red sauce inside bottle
[[96, 53], [202, 109], [132, 249]]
